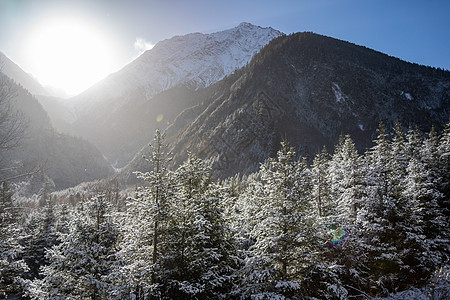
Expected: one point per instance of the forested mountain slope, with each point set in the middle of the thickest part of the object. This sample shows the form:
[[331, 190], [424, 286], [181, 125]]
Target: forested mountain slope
[[63, 160], [309, 89]]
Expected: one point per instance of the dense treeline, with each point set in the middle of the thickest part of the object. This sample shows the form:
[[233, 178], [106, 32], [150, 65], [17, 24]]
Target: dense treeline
[[347, 225]]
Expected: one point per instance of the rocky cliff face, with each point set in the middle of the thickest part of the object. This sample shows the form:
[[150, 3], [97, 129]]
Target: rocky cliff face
[[308, 89]]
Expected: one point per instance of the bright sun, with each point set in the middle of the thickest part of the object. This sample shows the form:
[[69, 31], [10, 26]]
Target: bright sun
[[69, 53]]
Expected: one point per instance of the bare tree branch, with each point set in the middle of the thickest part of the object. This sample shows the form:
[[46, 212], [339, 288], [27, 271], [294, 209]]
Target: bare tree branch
[[12, 126], [35, 171]]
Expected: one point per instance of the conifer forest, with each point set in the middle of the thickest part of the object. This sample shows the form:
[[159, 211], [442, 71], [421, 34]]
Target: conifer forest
[[340, 225], [224, 150]]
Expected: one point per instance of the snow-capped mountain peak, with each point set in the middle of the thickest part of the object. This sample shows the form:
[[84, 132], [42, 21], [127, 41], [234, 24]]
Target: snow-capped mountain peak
[[201, 58], [197, 60]]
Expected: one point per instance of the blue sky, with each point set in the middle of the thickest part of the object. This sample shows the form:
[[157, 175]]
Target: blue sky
[[415, 31]]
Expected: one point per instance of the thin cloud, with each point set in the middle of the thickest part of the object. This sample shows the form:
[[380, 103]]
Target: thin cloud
[[141, 45]]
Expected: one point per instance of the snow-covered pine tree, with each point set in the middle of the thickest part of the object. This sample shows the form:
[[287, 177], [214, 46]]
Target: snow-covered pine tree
[[81, 264], [200, 259], [40, 234], [285, 238], [377, 232], [405, 153], [11, 266], [386, 217], [242, 221], [346, 180], [347, 191], [323, 280], [424, 234], [431, 222], [145, 225], [444, 170]]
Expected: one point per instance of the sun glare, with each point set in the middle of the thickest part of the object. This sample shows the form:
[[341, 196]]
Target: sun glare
[[69, 53]]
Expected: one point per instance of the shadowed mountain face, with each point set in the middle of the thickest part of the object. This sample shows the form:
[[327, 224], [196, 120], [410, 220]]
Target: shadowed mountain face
[[308, 89], [120, 114], [65, 161]]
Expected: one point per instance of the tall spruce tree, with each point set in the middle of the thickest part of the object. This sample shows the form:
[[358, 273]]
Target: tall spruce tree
[[405, 158], [346, 180], [285, 238], [347, 187], [323, 280], [431, 222], [80, 265], [444, 170], [40, 234], [200, 259], [146, 224], [386, 218], [11, 264]]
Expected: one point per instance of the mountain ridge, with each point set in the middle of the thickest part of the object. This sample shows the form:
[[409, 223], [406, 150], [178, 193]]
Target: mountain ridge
[[305, 87], [166, 66], [309, 89], [186, 63], [15, 72]]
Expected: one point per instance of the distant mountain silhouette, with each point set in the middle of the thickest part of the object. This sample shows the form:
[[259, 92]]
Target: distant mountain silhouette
[[13, 71]]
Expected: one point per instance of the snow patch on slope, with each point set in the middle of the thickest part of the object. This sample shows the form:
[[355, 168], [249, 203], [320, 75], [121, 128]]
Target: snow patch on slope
[[340, 97], [407, 96]]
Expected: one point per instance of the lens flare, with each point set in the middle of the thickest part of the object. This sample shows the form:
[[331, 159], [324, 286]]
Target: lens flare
[[339, 235]]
